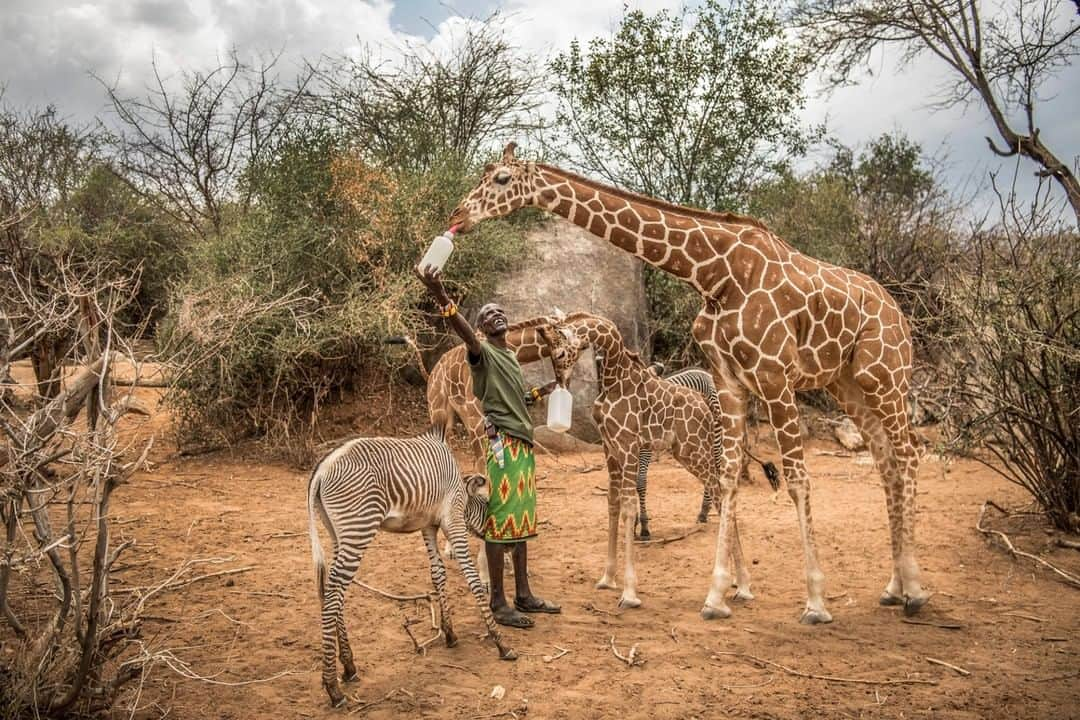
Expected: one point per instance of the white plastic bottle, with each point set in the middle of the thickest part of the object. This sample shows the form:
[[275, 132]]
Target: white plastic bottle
[[560, 409], [438, 252]]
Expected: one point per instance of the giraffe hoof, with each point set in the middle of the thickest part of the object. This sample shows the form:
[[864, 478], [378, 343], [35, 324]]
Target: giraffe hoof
[[605, 584], [743, 595], [629, 602], [815, 617], [887, 599], [912, 605], [708, 612]]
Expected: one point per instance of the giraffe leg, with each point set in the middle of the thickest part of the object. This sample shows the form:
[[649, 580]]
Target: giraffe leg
[[720, 470], [459, 541], [629, 598], [784, 416], [851, 400], [905, 452], [438, 579], [644, 460], [742, 572], [607, 580]]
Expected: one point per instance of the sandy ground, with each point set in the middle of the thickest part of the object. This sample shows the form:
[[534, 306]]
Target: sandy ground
[[1018, 640]]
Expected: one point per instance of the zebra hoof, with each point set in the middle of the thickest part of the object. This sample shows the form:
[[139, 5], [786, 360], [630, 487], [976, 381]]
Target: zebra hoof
[[451, 638], [702, 519], [350, 677], [337, 698], [508, 655]]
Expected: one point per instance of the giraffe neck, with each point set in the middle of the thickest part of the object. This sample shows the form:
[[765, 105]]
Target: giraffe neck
[[526, 344], [687, 243], [606, 340]]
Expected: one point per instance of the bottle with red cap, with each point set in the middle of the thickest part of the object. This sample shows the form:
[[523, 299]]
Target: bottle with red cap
[[439, 251]]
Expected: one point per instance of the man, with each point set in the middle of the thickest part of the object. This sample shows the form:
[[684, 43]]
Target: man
[[511, 467]]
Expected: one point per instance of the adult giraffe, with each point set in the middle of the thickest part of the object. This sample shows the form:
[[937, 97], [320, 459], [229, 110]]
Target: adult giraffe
[[774, 321]]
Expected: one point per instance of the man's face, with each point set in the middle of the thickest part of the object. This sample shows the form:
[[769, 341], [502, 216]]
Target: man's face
[[492, 320]]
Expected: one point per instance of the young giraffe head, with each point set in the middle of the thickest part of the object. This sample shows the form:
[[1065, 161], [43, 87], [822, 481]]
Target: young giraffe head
[[564, 348], [505, 186]]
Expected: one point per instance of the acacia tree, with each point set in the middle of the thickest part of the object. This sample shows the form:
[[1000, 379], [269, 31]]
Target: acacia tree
[[428, 106], [189, 146], [1000, 59], [693, 107]]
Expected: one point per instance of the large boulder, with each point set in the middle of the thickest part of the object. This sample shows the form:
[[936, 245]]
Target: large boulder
[[575, 271]]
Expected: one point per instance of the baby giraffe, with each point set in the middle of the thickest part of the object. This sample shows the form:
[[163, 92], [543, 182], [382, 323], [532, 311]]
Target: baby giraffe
[[638, 410]]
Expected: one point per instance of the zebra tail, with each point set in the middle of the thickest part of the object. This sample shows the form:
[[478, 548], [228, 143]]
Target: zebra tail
[[316, 547]]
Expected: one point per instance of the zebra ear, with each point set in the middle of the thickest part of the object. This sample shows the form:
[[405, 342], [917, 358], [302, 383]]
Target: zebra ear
[[476, 485]]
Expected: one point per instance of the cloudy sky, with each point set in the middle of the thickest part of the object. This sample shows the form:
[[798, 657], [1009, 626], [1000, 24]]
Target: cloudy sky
[[51, 49]]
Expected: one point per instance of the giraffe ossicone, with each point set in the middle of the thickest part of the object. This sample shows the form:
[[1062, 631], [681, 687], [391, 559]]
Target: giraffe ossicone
[[774, 321]]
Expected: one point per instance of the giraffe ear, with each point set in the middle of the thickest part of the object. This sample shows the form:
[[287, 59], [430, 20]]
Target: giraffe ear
[[508, 152], [567, 333], [558, 314]]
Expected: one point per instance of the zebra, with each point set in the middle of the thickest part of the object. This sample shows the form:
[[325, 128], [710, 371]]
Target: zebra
[[399, 485], [700, 381]]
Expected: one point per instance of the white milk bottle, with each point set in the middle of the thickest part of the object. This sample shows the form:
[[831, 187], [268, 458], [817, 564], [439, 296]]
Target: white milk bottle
[[560, 407]]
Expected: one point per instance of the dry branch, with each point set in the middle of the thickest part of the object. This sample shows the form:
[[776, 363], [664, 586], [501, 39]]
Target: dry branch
[[958, 669], [1067, 577], [826, 678], [632, 658]]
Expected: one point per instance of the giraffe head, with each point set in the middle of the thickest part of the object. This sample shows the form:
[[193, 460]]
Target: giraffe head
[[564, 345], [505, 186]]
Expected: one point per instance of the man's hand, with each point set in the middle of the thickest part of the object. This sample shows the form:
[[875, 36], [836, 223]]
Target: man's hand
[[432, 280]]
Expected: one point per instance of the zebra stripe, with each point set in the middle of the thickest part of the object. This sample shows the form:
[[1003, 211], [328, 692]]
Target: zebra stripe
[[399, 485]]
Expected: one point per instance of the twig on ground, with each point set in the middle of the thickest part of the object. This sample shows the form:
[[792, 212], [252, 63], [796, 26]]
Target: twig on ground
[[930, 623], [1068, 578], [1062, 542], [837, 596], [751, 685], [665, 541], [373, 703], [523, 709], [1026, 616], [942, 663], [274, 536], [827, 678], [461, 667], [1055, 638], [631, 658], [552, 658], [589, 607], [674, 637], [392, 596], [262, 593], [421, 647]]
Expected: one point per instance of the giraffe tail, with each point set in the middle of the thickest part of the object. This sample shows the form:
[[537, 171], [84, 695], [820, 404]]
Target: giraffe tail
[[771, 473], [408, 340]]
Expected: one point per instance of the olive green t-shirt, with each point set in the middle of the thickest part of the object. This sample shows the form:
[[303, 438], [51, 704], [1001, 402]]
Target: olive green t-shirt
[[500, 387]]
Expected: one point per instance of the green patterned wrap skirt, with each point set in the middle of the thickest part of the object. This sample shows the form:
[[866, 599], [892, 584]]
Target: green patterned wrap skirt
[[512, 492]]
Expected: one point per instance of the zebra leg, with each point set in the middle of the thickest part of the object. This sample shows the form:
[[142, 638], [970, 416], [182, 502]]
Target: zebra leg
[[438, 579], [460, 542], [350, 550], [706, 501], [644, 460]]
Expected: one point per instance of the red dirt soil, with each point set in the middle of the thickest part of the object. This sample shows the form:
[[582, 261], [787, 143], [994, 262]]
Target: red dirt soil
[[1018, 640]]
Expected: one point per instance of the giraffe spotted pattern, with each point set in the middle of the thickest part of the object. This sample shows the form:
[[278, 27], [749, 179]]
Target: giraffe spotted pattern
[[637, 411], [773, 321]]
